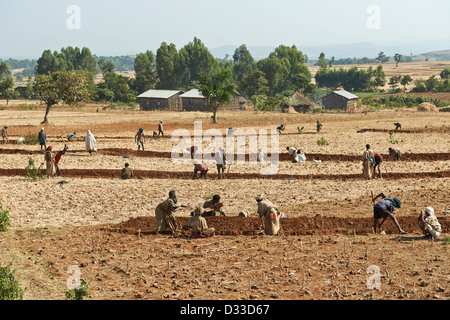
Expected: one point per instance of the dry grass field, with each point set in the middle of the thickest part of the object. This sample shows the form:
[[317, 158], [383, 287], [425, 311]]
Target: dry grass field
[[105, 225]]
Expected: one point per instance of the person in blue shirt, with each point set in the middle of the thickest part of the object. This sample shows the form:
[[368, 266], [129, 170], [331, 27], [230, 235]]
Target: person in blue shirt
[[384, 209]]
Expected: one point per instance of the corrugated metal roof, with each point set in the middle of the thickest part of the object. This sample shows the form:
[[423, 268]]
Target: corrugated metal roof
[[163, 94], [346, 94], [194, 93]]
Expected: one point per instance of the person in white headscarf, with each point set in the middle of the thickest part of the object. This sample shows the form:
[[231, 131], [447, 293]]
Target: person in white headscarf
[[91, 143], [429, 224], [221, 162]]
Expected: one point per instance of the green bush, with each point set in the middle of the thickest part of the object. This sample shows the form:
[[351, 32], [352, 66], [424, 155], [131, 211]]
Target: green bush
[[4, 218], [31, 138], [34, 173], [78, 293], [322, 142], [9, 287]]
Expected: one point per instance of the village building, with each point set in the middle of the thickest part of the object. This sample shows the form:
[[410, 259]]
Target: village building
[[340, 100], [160, 100], [298, 103]]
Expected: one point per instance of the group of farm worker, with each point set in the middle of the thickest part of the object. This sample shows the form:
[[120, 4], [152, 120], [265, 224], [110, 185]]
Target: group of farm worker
[[53, 158], [270, 216], [166, 220], [371, 161]]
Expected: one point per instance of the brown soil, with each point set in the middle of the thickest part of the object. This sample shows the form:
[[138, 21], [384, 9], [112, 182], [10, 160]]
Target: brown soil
[[153, 174]]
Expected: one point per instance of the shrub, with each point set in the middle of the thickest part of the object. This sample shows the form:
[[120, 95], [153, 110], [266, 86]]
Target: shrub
[[34, 173], [4, 218], [31, 138], [322, 142], [9, 287], [300, 130], [78, 293]]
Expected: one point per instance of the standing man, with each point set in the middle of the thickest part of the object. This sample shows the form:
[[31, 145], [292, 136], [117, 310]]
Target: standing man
[[58, 159], [221, 162], [378, 159], [213, 207], [160, 128], [395, 153], [139, 138], [49, 161], [198, 225], [368, 163], [384, 209], [165, 219], [269, 214], [318, 126], [5, 135], [42, 137], [429, 224], [127, 172], [91, 143]]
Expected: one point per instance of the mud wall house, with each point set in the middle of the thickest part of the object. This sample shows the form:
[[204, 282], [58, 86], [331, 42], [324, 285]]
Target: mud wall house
[[298, 102], [340, 100], [192, 100], [237, 102], [160, 100]]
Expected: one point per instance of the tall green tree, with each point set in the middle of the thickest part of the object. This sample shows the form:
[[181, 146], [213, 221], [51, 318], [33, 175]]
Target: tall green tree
[[167, 62], [322, 63], [197, 60], [144, 67], [382, 58], [406, 79], [243, 63], [254, 84], [217, 89], [70, 87]]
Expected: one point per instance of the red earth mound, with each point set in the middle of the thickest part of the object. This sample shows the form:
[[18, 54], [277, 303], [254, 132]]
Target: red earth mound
[[318, 225]]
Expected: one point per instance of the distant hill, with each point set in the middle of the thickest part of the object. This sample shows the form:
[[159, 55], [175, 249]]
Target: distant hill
[[355, 50], [443, 55]]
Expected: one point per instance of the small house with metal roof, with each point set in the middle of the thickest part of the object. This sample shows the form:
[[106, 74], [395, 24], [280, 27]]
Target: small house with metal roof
[[340, 100], [160, 100]]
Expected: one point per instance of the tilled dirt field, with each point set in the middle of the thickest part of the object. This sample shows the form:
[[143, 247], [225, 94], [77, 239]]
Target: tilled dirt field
[[105, 226]]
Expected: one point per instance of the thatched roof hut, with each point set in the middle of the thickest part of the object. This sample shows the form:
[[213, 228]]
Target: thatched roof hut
[[298, 102]]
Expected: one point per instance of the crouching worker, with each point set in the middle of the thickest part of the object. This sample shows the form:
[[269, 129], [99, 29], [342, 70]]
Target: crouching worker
[[198, 225], [213, 207], [429, 224], [269, 214], [384, 209], [127, 172]]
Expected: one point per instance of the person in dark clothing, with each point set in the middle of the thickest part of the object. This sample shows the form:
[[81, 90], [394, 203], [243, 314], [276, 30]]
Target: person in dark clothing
[[384, 209]]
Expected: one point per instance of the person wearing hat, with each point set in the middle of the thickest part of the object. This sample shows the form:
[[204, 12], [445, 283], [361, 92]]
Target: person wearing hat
[[429, 224], [384, 209], [269, 214], [198, 225], [5, 135], [139, 138], [164, 212], [49, 161], [42, 137], [127, 172], [368, 163], [160, 128], [213, 207]]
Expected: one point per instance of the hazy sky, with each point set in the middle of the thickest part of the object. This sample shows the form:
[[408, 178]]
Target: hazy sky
[[114, 27]]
